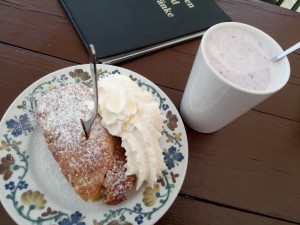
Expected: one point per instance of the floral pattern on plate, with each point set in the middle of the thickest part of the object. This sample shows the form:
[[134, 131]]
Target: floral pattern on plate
[[18, 189]]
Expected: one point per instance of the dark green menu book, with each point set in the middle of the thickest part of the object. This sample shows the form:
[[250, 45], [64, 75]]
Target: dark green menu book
[[123, 29]]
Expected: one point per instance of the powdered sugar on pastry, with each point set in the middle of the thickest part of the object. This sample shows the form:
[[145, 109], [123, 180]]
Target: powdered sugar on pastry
[[133, 114], [94, 167]]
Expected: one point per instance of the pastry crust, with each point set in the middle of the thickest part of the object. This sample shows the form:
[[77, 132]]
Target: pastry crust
[[95, 167]]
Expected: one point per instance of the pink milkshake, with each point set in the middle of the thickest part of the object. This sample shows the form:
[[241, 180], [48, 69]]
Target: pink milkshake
[[231, 74], [240, 58]]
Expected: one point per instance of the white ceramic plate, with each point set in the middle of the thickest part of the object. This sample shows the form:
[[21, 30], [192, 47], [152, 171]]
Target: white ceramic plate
[[32, 188]]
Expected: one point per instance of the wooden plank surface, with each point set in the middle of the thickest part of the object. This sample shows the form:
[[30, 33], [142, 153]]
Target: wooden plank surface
[[61, 40], [253, 164], [247, 173], [195, 212], [39, 26], [48, 23], [202, 213], [239, 153], [282, 104]]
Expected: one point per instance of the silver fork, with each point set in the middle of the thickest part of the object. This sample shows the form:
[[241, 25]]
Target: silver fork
[[87, 124]]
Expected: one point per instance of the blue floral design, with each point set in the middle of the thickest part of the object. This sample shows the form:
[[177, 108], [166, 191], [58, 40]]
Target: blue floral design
[[139, 219], [19, 126], [171, 156], [77, 80], [165, 106], [116, 71], [64, 77], [75, 220], [138, 208], [22, 185], [10, 186]]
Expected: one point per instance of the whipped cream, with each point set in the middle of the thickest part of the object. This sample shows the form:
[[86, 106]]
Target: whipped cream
[[133, 114]]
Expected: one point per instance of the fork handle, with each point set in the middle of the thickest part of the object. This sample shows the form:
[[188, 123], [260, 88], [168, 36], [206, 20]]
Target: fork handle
[[87, 124]]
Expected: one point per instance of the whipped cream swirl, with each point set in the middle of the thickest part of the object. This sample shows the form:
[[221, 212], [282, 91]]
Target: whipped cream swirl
[[133, 114]]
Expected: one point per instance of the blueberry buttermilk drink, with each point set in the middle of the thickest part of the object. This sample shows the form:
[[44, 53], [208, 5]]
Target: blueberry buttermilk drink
[[240, 58]]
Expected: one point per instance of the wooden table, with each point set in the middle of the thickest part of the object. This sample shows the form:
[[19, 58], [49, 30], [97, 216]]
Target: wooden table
[[246, 173]]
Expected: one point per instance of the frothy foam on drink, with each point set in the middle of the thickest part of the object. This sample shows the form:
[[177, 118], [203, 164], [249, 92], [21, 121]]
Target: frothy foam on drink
[[240, 58]]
